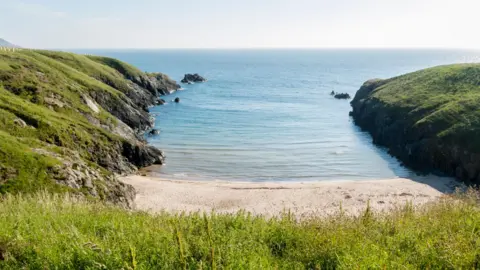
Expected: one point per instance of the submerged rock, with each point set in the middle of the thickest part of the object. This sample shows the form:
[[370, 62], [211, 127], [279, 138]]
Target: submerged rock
[[332, 93], [192, 78], [342, 96]]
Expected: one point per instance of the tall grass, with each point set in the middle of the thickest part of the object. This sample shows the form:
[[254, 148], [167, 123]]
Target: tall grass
[[60, 232]]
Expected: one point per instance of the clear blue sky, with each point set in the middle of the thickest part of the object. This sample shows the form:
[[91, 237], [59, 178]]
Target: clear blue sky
[[240, 23]]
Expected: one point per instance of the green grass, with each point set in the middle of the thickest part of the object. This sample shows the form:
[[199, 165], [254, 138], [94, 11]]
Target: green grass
[[125, 69], [59, 232]]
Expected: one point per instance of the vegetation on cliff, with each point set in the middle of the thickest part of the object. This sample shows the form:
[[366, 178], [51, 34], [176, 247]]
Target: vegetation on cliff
[[68, 122], [429, 119], [56, 232]]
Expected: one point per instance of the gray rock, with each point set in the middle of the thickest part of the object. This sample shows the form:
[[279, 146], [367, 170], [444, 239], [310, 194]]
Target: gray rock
[[154, 132], [77, 174], [160, 101], [142, 155], [342, 96], [19, 122], [54, 102], [7, 173], [193, 78]]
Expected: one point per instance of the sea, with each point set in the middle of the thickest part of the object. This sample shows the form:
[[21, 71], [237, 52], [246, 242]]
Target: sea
[[267, 114]]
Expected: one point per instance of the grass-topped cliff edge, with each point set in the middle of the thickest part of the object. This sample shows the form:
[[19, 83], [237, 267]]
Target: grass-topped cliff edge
[[429, 119], [69, 122]]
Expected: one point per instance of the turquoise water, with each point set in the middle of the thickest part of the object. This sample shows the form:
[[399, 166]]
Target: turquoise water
[[267, 115]]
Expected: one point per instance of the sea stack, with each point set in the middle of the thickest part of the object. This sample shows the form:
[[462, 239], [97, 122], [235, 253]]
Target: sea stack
[[193, 78]]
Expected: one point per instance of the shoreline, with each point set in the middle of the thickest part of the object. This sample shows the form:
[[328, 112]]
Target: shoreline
[[303, 199]]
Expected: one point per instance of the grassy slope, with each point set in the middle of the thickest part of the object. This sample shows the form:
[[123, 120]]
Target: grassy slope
[[44, 232], [29, 80], [95, 69], [443, 98]]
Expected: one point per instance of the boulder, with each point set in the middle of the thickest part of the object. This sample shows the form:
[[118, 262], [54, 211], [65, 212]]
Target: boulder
[[154, 132], [177, 100], [160, 101], [193, 78], [342, 96], [54, 102], [7, 173], [142, 155], [19, 122]]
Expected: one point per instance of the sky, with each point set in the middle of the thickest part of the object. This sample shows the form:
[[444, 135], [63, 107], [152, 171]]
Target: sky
[[70, 24]]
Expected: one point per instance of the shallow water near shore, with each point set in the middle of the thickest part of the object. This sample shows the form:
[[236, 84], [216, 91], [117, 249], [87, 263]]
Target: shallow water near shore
[[267, 115]]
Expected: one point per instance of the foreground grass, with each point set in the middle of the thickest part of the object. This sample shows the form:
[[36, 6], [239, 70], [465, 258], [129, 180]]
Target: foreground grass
[[53, 232]]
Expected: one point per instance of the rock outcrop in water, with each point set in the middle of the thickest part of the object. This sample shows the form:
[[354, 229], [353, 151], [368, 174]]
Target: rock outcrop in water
[[154, 132], [428, 119], [342, 96], [193, 78], [73, 122]]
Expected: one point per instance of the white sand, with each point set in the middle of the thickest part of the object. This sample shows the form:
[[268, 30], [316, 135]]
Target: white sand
[[269, 199]]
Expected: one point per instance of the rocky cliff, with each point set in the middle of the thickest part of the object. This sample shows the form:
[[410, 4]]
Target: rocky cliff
[[429, 119], [70, 123]]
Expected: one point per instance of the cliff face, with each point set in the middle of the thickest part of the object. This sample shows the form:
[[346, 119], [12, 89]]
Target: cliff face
[[70, 122], [429, 119]]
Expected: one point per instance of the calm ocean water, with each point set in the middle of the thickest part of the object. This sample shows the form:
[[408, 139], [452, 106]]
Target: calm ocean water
[[267, 115]]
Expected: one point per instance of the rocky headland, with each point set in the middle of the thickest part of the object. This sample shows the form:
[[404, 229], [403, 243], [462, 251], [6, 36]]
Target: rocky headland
[[72, 123], [429, 119]]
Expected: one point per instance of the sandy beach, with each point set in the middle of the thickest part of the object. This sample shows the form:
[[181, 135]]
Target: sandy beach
[[271, 199]]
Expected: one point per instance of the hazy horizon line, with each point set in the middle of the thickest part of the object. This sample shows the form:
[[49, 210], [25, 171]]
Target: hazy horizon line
[[265, 48]]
